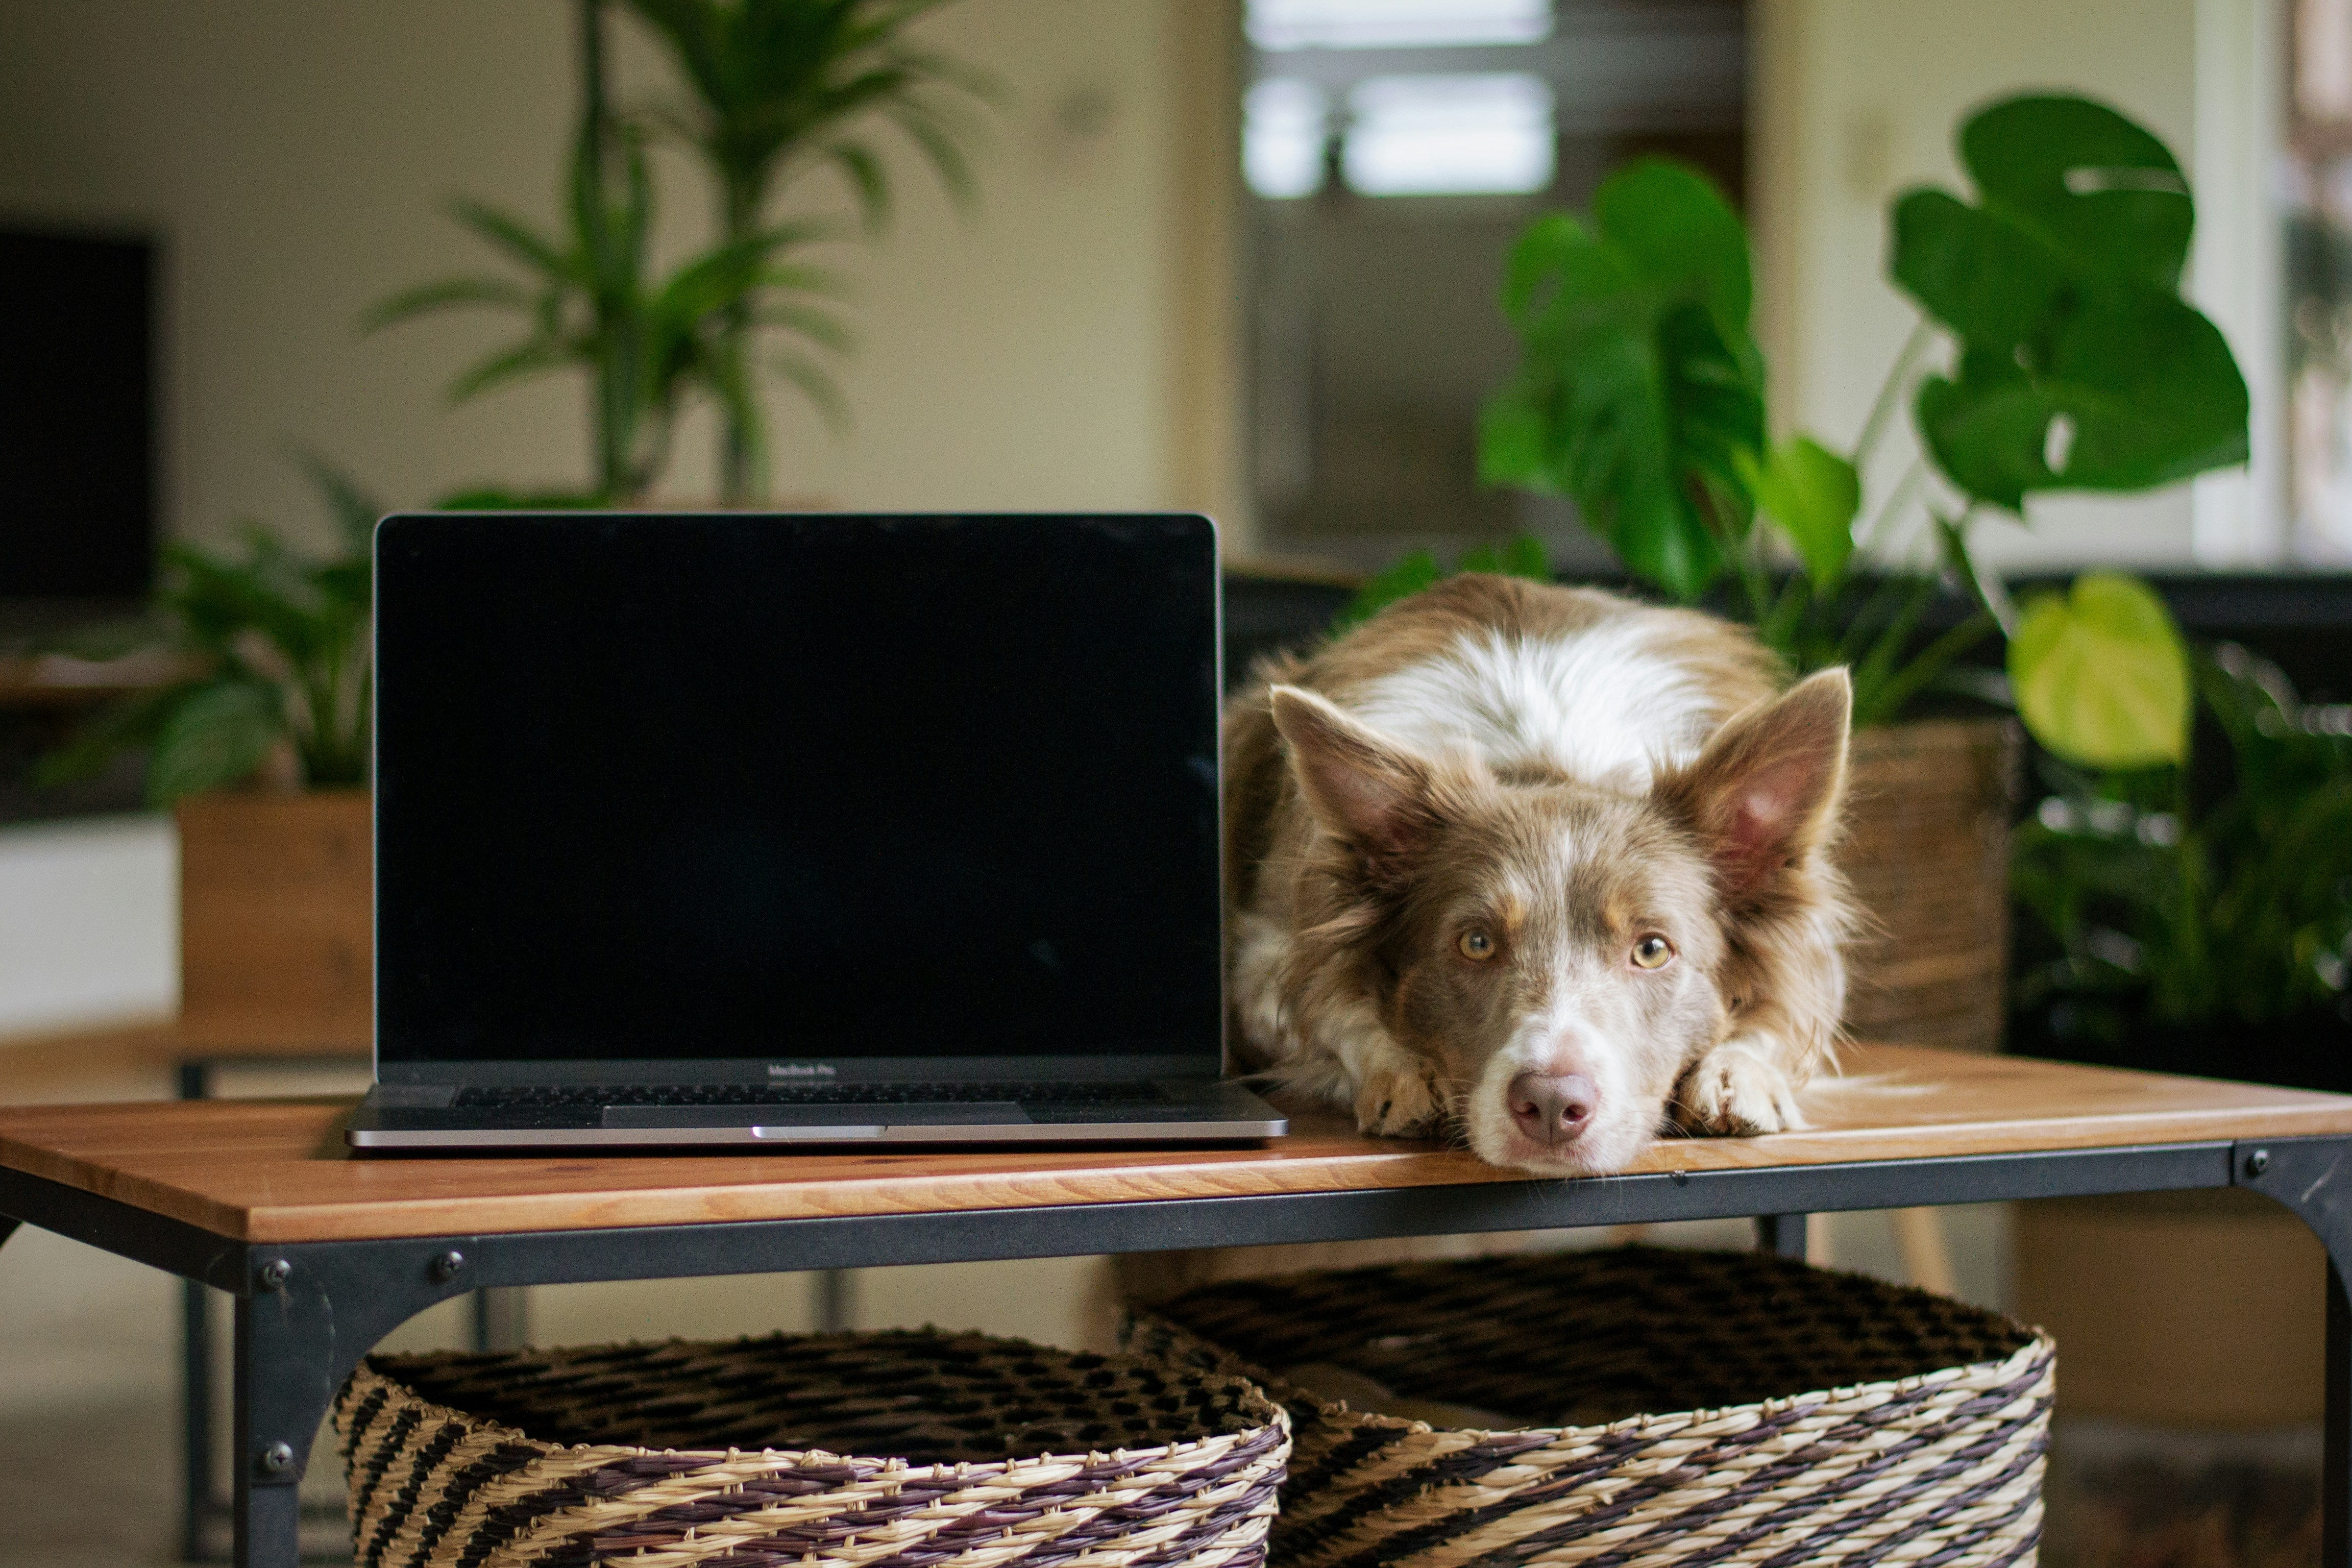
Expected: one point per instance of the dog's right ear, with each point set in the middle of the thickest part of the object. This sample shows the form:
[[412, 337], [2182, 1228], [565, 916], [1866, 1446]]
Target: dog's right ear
[[1363, 789]]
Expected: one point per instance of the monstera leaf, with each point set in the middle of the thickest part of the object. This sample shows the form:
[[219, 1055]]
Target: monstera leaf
[[1640, 393], [1814, 494], [2080, 365]]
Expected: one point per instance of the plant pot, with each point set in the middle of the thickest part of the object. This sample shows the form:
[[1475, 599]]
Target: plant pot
[[277, 922], [1926, 846]]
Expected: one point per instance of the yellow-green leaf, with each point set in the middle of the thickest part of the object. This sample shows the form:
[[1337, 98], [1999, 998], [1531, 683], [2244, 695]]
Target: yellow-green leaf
[[2100, 675]]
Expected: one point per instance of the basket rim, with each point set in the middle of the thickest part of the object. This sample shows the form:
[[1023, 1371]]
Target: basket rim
[[383, 1370], [2039, 1347], [2035, 1345]]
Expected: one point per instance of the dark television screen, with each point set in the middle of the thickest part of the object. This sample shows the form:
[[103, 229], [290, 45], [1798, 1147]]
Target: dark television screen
[[76, 416]]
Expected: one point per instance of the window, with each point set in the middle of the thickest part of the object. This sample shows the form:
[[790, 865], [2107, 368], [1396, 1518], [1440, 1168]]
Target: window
[[2318, 182]]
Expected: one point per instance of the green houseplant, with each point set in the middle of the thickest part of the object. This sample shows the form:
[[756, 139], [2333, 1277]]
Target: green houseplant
[[2197, 917], [276, 882], [780, 88], [273, 647], [2073, 364], [592, 303], [2070, 362], [775, 88]]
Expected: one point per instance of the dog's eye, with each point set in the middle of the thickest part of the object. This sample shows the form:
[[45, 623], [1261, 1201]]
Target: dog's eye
[[1652, 952], [1476, 945]]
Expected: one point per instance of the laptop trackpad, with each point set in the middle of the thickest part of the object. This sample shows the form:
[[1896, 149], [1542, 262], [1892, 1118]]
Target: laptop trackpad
[[829, 1120]]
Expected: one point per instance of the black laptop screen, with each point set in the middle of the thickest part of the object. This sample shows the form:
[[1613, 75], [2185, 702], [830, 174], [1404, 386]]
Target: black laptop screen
[[799, 788]]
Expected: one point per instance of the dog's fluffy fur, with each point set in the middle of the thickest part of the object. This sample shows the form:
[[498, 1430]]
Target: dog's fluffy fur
[[1449, 832]]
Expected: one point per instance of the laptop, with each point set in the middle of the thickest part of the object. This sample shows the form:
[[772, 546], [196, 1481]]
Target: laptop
[[797, 832]]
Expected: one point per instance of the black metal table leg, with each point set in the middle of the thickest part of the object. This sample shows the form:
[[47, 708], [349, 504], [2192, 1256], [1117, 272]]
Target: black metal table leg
[[1781, 1233], [2312, 1177], [500, 1319], [834, 1300], [305, 1315], [195, 1419], [195, 1376], [290, 1359], [265, 1486], [2336, 1448]]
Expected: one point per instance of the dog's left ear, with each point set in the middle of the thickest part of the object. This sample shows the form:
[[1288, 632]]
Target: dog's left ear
[[1765, 790]]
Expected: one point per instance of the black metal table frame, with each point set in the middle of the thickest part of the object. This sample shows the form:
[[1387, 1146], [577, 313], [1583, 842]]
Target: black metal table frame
[[200, 1507], [305, 1312]]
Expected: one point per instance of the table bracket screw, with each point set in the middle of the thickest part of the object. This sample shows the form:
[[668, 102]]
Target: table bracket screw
[[448, 1265], [274, 1274], [2257, 1161], [278, 1458]]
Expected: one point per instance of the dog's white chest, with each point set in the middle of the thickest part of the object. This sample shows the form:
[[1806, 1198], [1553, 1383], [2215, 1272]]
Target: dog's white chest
[[1609, 704]]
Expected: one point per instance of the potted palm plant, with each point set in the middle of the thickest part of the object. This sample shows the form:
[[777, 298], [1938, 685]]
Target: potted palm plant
[[780, 89], [592, 303], [775, 88], [2071, 362]]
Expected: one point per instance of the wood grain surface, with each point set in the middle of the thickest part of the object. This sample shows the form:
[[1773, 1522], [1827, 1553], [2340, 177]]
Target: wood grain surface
[[278, 1169]]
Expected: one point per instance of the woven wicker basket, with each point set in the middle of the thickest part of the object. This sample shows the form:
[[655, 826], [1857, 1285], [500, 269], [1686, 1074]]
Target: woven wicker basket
[[1664, 1408], [744, 1455]]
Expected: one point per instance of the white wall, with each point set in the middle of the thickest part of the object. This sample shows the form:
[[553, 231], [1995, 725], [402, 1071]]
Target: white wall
[[297, 154], [1859, 99], [88, 923]]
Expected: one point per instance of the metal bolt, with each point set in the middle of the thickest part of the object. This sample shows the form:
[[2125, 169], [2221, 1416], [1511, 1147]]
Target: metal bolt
[[448, 1265], [274, 1274], [278, 1458], [2257, 1161]]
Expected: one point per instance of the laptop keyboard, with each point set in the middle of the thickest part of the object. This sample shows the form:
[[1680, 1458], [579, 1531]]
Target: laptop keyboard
[[791, 1094]]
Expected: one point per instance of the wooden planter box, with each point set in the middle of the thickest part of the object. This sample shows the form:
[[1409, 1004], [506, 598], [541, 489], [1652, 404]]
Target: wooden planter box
[[2224, 1291], [277, 922], [1926, 848]]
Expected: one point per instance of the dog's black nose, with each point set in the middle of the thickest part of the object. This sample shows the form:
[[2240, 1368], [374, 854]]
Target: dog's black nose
[[1553, 1108]]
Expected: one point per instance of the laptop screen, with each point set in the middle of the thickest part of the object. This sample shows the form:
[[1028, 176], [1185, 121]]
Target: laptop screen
[[806, 789]]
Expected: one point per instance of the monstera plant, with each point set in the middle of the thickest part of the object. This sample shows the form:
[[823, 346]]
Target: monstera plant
[[2070, 363]]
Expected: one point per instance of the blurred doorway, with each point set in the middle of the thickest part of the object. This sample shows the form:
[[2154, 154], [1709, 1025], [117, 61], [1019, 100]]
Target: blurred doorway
[[1391, 151]]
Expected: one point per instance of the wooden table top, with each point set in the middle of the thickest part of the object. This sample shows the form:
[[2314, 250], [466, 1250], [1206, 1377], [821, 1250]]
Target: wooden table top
[[278, 1169]]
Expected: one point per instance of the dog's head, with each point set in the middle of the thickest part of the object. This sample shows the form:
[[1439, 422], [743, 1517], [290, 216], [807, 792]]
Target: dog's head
[[1562, 951]]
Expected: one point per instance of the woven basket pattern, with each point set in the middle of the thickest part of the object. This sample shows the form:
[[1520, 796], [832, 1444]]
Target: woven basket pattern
[[752, 1455], [1678, 1407]]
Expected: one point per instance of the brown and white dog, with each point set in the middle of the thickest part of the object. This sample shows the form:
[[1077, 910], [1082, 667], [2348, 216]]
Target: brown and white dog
[[1540, 866]]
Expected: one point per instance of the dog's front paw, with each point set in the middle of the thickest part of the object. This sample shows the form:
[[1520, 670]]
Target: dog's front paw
[[1399, 1097], [1736, 1089]]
